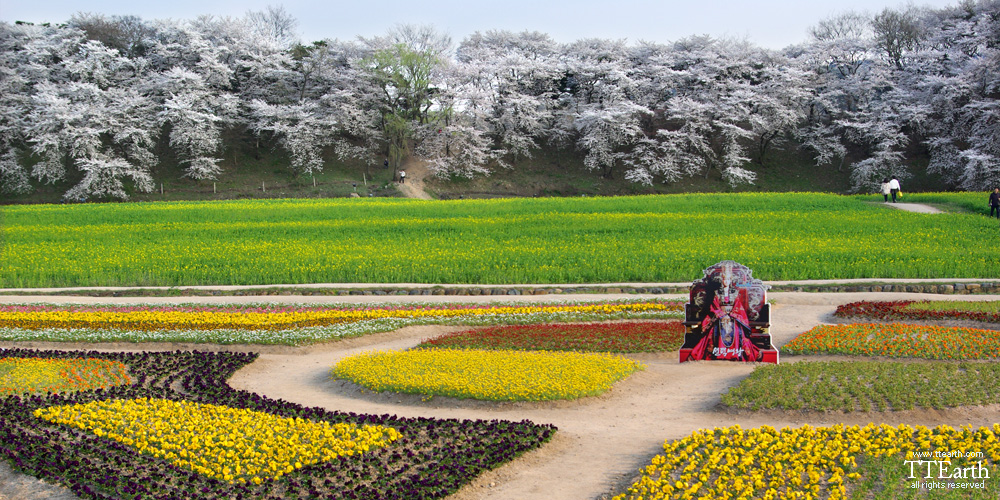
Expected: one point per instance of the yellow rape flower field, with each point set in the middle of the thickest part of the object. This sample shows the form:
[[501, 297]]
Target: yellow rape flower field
[[487, 374], [38, 375], [807, 462], [229, 444], [511, 240]]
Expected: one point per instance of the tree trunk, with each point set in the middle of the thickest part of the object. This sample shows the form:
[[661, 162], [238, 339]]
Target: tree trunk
[[762, 145]]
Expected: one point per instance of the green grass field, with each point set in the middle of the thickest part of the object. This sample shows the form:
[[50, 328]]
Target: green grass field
[[543, 240], [865, 386]]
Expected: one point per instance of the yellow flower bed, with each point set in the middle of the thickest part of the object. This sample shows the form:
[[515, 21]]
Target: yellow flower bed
[[39, 375], [733, 463], [225, 443], [487, 374], [153, 319]]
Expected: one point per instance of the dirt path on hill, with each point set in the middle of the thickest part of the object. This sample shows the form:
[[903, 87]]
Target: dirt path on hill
[[602, 441], [416, 172]]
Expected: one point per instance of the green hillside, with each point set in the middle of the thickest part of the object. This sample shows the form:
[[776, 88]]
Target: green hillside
[[252, 171]]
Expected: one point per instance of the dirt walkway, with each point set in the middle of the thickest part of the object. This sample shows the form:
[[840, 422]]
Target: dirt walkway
[[416, 172], [602, 441], [914, 207]]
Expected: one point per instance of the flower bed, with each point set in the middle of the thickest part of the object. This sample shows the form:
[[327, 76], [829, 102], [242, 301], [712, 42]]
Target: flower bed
[[288, 325], [430, 459], [217, 441], [645, 336], [34, 375], [866, 385], [807, 462], [898, 341], [170, 318], [985, 311], [487, 375]]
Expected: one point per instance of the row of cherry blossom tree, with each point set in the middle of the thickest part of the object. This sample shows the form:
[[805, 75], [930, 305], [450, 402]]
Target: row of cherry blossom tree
[[95, 96]]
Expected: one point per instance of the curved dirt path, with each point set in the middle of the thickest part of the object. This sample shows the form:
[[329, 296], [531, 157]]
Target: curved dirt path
[[602, 441]]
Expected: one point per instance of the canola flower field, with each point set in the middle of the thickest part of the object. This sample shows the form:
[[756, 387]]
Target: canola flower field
[[546, 240]]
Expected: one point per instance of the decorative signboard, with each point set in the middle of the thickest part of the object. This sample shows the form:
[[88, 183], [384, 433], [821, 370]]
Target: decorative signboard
[[728, 317]]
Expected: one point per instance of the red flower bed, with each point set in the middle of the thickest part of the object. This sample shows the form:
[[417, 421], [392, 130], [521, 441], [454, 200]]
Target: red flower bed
[[894, 311], [633, 336]]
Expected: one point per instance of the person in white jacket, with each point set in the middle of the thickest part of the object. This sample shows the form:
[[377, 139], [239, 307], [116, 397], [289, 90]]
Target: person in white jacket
[[894, 188], [885, 190]]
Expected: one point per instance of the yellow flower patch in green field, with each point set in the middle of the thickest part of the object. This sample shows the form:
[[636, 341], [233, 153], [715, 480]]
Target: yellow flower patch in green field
[[488, 375], [229, 444], [39, 375]]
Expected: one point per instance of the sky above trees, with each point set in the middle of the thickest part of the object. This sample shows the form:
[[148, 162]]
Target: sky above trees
[[769, 23]]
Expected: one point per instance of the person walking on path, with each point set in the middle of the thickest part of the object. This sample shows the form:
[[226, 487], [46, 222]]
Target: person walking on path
[[995, 202], [894, 188], [402, 176], [885, 190]]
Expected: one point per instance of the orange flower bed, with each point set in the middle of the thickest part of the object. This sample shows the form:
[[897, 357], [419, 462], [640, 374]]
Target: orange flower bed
[[897, 340], [38, 375]]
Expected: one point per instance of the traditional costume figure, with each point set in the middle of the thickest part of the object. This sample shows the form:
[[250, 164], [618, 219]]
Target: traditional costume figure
[[726, 326]]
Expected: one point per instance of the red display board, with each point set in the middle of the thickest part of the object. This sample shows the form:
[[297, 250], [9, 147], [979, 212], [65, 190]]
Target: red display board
[[727, 317]]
